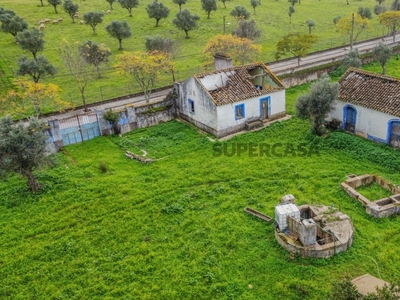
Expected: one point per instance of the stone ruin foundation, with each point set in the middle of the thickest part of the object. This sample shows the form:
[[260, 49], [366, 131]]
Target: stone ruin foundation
[[378, 208], [317, 231]]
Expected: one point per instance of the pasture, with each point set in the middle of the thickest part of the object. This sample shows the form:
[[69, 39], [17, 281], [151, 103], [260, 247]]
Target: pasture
[[106, 227], [271, 16]]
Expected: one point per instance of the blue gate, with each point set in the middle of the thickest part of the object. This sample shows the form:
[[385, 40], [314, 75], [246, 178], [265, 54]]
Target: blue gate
[[79, 128]]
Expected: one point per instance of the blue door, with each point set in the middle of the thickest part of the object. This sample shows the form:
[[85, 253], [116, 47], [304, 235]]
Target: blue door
[[350, 119], [265, 108], [395, 134]]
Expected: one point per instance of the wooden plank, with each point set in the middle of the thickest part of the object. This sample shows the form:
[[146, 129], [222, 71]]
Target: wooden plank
[[258, 214]]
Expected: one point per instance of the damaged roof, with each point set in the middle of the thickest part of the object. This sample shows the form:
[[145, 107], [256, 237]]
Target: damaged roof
[[235, 84], [370, 90]]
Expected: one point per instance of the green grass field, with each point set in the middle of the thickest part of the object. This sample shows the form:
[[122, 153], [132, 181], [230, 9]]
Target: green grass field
[[175, 228], [271, 17]]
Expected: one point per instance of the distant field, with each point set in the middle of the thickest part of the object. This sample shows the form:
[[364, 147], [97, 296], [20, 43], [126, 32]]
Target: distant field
[[271, 17]]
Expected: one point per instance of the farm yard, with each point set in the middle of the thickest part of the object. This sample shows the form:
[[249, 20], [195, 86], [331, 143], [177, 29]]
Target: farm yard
[[271, 17], [107, 227]]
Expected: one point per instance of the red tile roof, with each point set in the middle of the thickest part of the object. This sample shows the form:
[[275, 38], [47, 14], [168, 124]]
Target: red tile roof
[[239, 86], [370, 90]]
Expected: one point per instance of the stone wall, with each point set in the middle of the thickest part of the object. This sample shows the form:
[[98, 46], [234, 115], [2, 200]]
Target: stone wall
[[132, 117]]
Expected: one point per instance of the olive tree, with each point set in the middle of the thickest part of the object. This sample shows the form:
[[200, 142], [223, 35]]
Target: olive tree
[[351, 59], [254, 4], [22, 149], [180, 3], [157, 10], [35, 68], [11, 23], [31, 40], [208, 6], [71, 9], [111, 3], [119, 30], [247, 29], [316, 105], [158, 43], [54, 3], [240, 12], [129, 5], [382, 55], [185, 21], [310, 25], [92, 19]]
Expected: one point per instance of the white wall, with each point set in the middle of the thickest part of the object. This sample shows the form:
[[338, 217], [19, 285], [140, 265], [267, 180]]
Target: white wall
[[226, 113], [204, 108], [369, 122]]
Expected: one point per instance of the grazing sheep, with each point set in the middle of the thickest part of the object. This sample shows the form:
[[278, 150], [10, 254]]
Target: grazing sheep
[[46, 20], [108, 11], [41, 22], [59, 19], [81, 22], [41, 26], [54, 22]]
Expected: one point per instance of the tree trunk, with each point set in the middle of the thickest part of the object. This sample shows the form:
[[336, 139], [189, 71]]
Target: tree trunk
[[157, 20], [254, 10], [173, 75], [41, 2], [224, 4], [130, 12], [94, 30], [55, 9], [73, 19], [180, 7], [290, 22], [208, 14], [82, 90], [187, 34], [98, 71], [384, 70], [309, 30], [111, 6], [33, 184], [120, 44]]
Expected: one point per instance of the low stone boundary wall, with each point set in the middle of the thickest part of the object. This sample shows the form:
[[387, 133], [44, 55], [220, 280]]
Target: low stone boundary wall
[[377, 208]]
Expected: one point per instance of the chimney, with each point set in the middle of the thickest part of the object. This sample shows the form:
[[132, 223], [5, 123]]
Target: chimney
[[222, 62]]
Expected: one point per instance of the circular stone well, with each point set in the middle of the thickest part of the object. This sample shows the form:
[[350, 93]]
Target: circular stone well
[[321, 232]]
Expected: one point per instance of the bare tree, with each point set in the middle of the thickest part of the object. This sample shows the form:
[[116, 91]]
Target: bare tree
[[78, 67]]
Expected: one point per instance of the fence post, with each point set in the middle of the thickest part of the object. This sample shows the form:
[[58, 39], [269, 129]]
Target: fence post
[[80, 129], [101, 94]]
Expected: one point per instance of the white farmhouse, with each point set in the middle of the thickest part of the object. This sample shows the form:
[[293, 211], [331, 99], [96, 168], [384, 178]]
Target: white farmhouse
[[231, 99], [369, 105]]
